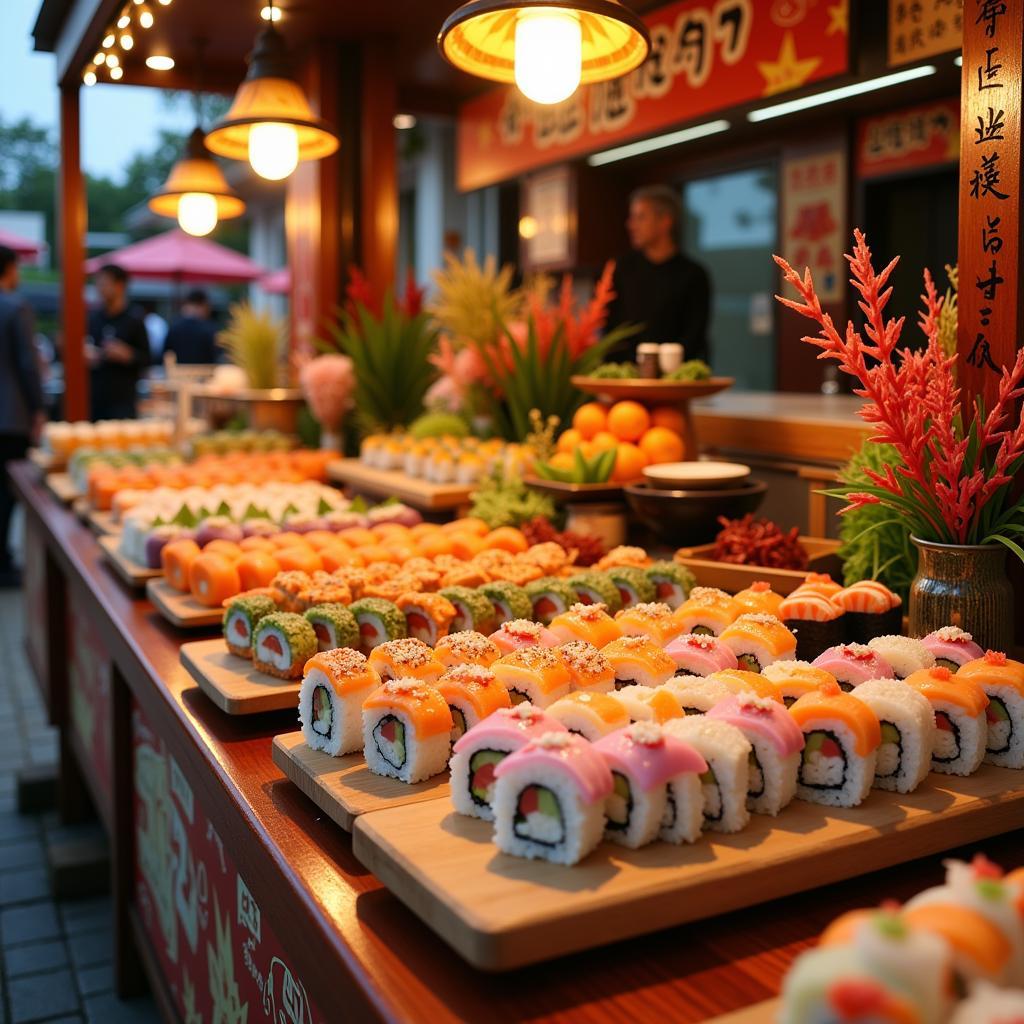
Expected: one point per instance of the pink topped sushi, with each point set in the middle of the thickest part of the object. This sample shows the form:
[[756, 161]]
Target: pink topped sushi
[[853, 664], [516, 634], [700, 654], [952, 647]]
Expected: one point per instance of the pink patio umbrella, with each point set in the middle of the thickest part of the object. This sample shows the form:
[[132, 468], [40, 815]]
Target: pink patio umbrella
[[22, 246], [277, 282]]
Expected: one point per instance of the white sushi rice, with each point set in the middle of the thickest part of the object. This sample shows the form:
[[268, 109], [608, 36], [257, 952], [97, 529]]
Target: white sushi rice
[[423, 757], [637, 702], [824, 780], [242, 645], [697, 694], [772, 782], [643, 813], [281, 661], [577, 717], [462, 797], [344, 736], [961, 750], [904, 654], [527, 687], [1005, 738], [684, 810], [988, 1004]]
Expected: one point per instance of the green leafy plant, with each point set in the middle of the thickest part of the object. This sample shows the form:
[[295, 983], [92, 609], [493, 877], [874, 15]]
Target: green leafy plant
[[595, 469], [504, 500], [255, 341]]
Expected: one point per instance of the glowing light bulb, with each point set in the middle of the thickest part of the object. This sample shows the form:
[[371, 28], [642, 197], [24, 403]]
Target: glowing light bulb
[[100, 57], [160, 62], [272, 14], [117, 74], [108, 40], [197, 213], [113, 60], [89, 78], [145, 17], [548, 54], [273, 150], [124, 21], [127, 42]]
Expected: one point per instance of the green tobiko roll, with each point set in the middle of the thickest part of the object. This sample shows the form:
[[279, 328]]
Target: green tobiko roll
[[473, 609], [672, 582], [551, 596], [509, 601], [596, 588], [379, 620], [632, 584], [335, 626]]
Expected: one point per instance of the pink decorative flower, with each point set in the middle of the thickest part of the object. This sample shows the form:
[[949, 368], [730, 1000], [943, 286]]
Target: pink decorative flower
[[328, 382]]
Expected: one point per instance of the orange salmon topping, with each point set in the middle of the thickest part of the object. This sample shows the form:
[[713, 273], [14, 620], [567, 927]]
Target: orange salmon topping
[[961, 691], [995, 671], [829, 703], [966, 931], [739, 681], [426, 708]]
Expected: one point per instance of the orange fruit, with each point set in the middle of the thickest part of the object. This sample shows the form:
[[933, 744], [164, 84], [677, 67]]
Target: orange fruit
[[588, 449], [660, 444], [562, 460], [668, 416], [568, 440], [589, 419], [507, 538], [628, 420], [604, 439], [629, 463]]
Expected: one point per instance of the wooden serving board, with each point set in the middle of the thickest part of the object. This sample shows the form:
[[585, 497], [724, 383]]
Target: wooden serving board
[[386, 483], [759, 1013], [130, 572], [640, 389], [62, 487], [102, 522], [343, 787], [232, 683], [181, 610], [502, 912]]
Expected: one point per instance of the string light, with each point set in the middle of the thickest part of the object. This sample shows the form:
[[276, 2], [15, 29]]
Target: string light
[[99, 58], [89, 78], [145, 15], [117, 74], [159, 62], [272, 14], [108, 40], [403, 122], [125, 20], [127, 41], [113, 60]]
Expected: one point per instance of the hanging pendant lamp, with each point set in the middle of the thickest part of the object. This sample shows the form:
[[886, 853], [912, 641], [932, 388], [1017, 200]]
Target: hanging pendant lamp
[[546, 48], [270, 122]]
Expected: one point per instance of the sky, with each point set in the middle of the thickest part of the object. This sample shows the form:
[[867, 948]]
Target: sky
[[28, 89]]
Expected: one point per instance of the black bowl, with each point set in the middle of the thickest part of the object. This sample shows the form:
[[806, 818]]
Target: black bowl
[[691, 517]]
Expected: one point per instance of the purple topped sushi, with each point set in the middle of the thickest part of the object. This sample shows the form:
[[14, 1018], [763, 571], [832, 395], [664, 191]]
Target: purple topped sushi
[[160, 536], [218, 528], [952, 647], [853, 664], [257, 526], [343, 519]]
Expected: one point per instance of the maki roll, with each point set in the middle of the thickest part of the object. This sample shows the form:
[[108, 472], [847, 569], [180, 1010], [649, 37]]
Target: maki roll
[[427, 616], [815, 619], [759, 597], [739, 680], [589, 669], [707, 610], [508, 601], [213, 579], [550, 597], [407, 658], [406, 730], [696, 695], [625, 555], [379, 621], [725, 782], [841, 740], [853, 664], [516, 634], [466, 648], [323, 589], [869, 609], [903, 654], [775, 741], [473, 610], [952, 647], [596, 588], [549, 799], [290, 587], [240, 618], [651, 619], [472, 693], [908, 733], [334, 686], [590, 715], [481, 750], [1003, 683], [643, 760], [757, 639], [961, 729], [649, 703], [632, 584], [257, 569], [635, 659], [534, 674], [988, 1004], [335, 626], [589, 622], [282, 643], [819, 583], [672, 582], [795, 678], [698, 654]]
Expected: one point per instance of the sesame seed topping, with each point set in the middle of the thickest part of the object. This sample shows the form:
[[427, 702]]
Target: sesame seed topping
[[555, 740], [646, 734], [953, 635]]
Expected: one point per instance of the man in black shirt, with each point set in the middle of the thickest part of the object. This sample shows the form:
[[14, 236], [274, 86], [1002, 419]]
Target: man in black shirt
[[118, 348], [193, 336], [655, 284]]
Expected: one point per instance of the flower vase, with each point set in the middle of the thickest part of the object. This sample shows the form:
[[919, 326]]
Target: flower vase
[[963, 585]]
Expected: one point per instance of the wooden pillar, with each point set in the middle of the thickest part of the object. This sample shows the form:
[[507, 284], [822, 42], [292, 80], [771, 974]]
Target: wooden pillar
[[72, 214]]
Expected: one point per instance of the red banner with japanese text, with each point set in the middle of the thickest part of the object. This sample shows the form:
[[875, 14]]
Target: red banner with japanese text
[[705, 57], [904, 140]]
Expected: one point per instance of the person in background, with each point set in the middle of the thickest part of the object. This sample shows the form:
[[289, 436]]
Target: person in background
[[193, 336], [117, 350], [156, 328], [656, 284], [21, 396]]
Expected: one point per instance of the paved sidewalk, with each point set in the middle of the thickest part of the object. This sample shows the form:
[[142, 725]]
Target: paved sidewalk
[[54, 956]]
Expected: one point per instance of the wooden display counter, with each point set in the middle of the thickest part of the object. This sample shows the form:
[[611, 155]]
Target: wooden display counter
[[232, 889]]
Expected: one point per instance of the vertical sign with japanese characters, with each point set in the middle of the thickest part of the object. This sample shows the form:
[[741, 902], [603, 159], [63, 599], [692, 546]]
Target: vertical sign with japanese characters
[[990, 165], [923, 28]]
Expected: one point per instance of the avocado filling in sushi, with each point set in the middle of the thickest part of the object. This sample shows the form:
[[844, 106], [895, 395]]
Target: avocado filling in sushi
[[755, 787], [389, 735], [823, 765], [947, 738], [323, 712], [481, 775], [890, 752], [947, 663], [1000, 726], [538, 817], [620, 803], [749, 662], [712, 795], [458, 722]]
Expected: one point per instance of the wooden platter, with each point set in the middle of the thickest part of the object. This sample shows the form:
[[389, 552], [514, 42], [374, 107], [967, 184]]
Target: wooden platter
[[759, 1013], [386, 483], [101, 523], [62, 487], [343, 787], [182, 611], [656, 391], [232, 683], [130, 572], [502, 912]]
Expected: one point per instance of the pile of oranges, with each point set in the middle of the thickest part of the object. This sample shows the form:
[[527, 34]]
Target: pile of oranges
[[640, 436]]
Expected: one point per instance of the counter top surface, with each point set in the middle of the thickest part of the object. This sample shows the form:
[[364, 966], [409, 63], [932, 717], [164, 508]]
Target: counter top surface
[[839, 409]]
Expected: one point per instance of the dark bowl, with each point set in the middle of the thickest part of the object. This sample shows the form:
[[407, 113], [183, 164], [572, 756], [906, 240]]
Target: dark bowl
[[691, 517]]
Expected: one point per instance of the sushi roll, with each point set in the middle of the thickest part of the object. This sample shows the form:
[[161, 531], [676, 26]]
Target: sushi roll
[[908, 733], [241, 615], [961, 728], [550, 597], [549, 799], [725, 782], [257, 569], [516, 634], [481, 750], [466, 648], [472, 693], [595, 588], [282, 643], [334, 686], [759, 597], [698, 654], [819, 583], [988, 1004], [534, 674], [651, 619], [869, 609], [672, 582], [213, 579], [841, 740], [589, 622], [407, 658], [643, 759], [815, 619], [740, 680], [632, 584], [795, 678], [903, 654], [696, 695], [853, 664], [508, 601], [707, 610], [427, 616], [625, 555], [590, 715], [323, 589], [635, 659], [406, 730], [1003, 683], [649, 703], [335, 626], [473, 610], [775, 741], [290, 587], [757, 639], [589, 670], [379, 621], [952, 647]]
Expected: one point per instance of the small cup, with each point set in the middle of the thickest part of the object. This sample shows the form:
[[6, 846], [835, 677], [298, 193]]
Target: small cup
[[670, 356], [647, 360]]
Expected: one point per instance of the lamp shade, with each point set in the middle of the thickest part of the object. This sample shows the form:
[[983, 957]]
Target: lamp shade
[[480, 37], [196, 173]]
